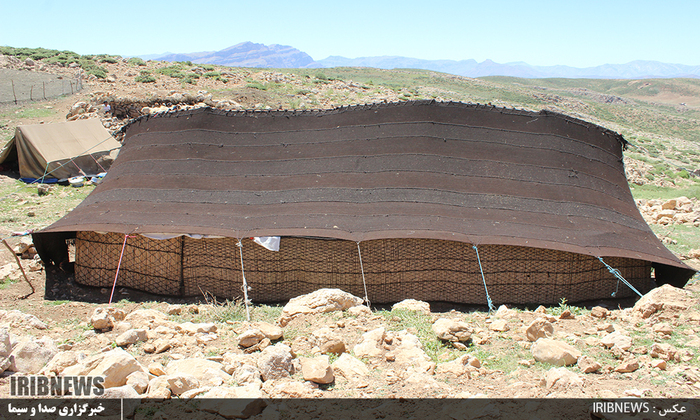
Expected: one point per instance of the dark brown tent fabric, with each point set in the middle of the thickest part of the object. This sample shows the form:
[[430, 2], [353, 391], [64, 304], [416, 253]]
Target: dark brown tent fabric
[[449, 171]]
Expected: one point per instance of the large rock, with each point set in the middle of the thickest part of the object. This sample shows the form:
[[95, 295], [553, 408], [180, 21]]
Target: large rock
[[105, 318], [317, 370], [539, 328], [131, 336], [248, 375], [350, 367], [159, 387], [5, 344], [275, 362], [146, 318], [320, 301], [562, 379], [588, 365], [664, 298], [61, 361], [31, 355], [17, 319], [617, 339], [273, 332], [554, 352], [413, 305], [452, 330], [409, 354], [180, 383], [250, 337], [115, 365], [238, 402], [192, 329], [138, 380], [371, 344], [206, 371], [328, 341]]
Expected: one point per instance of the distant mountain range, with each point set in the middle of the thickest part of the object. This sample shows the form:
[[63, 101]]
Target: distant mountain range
[[249, 54]]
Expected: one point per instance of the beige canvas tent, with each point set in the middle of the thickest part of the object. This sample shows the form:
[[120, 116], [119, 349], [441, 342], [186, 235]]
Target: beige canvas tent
[[60, 150]]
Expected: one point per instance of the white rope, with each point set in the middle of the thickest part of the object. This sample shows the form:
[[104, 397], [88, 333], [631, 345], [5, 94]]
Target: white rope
[[362, 268], [245, 283], [71, 160]]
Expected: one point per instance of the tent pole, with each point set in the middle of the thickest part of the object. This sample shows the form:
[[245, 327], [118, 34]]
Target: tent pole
[[245, 283], [362, 268], [114, 286]]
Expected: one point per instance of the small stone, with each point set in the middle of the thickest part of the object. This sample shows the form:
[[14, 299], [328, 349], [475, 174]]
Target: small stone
[[539, 328], [659, 364], [617, 339], [599, 312], [156, 369], [628, 365], [130, 337], [499, 325], [317, 370], [554, 352], [250, 338], [588, 365], [663, 328], [566, 314]]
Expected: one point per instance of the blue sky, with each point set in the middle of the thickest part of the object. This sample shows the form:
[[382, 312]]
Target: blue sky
[[568, 32]]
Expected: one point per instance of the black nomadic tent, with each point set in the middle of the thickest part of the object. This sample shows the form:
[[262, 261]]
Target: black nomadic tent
[[425, 200]]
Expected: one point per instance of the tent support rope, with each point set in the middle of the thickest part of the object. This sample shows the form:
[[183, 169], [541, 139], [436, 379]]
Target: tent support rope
[[615, 272], [488, 298], [45, 171], [114, 286], [362, 268], [245, 283]]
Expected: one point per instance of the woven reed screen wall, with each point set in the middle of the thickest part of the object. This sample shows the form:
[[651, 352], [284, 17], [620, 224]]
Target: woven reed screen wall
[[395, 269]]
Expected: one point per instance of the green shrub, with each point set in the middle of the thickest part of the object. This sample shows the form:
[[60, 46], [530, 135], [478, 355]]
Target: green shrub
[[212, 74], [190, 78], [145, 78], [109, 59], [257, 85], [176, 71], [135, 61], [207, 67]]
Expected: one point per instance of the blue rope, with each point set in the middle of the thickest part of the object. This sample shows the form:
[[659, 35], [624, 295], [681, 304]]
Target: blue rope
[[617, 274], [488, 298]]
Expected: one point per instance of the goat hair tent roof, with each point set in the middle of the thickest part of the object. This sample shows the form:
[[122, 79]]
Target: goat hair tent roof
[[450, 171]]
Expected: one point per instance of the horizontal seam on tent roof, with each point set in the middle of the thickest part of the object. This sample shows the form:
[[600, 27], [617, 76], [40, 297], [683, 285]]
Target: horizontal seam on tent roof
[[602, 192], [571, 139], [231, 162], [622, 215], [381, 215], [246, 232], [355, 139]]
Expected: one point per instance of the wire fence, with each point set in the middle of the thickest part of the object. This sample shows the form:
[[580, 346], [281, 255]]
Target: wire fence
[[19, 86]]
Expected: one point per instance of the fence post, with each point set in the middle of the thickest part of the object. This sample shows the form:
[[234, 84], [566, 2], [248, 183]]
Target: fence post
[[44, 86], [31, 92], [13, 91]]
